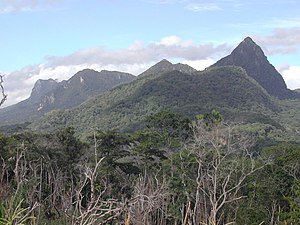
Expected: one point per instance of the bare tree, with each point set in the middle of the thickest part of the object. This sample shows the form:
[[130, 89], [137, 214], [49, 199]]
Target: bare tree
[[4, 96], [13, 208], [148, 204], [224, 162], [97, 210]]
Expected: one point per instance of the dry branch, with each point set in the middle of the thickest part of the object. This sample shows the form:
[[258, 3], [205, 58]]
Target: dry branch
[[4, 96]]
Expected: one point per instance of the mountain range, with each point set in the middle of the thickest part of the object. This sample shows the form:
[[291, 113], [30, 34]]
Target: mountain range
[[243, 86], [49, 94]]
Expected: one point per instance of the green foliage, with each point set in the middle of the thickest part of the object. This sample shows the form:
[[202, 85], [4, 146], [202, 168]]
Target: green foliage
[[251, 215], [54, 167], [114, 149], [169, 123], [126, 107], [148, 146], [210, 119], [181, 168], [13, 211], [71, 146], [272, 192], [293, 215]]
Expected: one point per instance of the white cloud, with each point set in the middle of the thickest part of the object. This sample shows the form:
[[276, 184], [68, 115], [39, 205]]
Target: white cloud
[[171, 40], [9, 6], [281, 41], [199, 64], [287, 22], [199, 7], [291, 76], [134, 59], [168, 47]]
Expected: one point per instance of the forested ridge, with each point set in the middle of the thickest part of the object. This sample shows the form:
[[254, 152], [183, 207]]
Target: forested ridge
[[175, 170]]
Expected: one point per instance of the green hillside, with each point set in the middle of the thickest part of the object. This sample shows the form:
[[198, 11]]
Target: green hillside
[[289, 116], [227, 89]]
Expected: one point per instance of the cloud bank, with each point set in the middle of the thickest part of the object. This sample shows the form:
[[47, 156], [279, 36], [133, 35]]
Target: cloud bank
[[9, 6], [199, 7], [281, 41], [291, 75]]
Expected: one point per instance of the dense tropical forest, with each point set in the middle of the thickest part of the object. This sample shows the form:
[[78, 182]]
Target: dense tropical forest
[[173, 171], [173, 146]]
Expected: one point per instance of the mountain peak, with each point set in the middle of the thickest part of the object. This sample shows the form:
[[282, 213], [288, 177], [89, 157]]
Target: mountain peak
[[249, 49], [164, 61], [165, 66], [249, 40], [251, 57], [42, 87]]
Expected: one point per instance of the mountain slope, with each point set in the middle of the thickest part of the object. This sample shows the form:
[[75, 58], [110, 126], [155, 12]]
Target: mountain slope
[[26, 110], [48, 94], [83, 85], [41, 88], [125, 107], [250, 56]]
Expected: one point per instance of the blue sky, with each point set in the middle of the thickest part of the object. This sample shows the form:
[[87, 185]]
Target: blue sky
[[56, 38]]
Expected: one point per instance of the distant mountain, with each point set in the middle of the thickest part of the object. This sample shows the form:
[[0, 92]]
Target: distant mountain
[[165, 66], [228, 89], [241, 86], [41, 88], [250, 56], [81, 86], [47, 95]]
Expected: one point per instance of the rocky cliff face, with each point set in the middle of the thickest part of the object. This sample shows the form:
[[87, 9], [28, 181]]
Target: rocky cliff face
[[42, 87], [250, 56], [83, 85]]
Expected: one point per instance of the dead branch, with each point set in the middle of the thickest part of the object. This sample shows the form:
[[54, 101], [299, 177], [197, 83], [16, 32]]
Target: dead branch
[[4, 96]]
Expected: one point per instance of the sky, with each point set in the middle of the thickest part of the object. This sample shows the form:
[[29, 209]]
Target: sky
[[42, 39]]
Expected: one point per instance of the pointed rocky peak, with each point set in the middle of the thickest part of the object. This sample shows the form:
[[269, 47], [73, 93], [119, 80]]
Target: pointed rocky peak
[[248, 48], [165, 66], [164, 62], [251, 57], [249, 41], [245, 53]]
